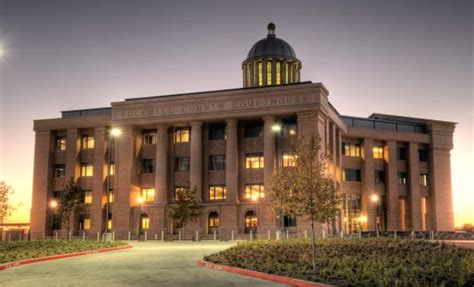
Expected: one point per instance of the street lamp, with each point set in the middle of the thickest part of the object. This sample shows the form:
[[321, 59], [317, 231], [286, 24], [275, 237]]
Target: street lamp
[[53, 204], [113, 133], [375, 198], [276, 127]]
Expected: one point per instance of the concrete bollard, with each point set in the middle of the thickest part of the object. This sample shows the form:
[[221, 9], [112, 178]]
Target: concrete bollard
[[413, 235], [56, 235], [324, 233], [277, 235], [306, 234], [146, 236], [342, 234], [83, 236], [156, 236], [377, 232], [69, 235], [98, 236], [128, 237], [179, 235], [287, 235], [197, 235], [251, 235], [215, 236], [268, 235], [232, 235], [395, 234], [162, 235], [113, 235]]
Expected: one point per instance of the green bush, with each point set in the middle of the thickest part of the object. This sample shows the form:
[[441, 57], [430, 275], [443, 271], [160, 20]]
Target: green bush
[[16, 250], [356, 262]]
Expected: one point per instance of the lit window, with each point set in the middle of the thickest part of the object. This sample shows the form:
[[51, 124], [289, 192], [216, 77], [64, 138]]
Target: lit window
[[379, 176], [148, 194], [88, 197], [217, 162], [254, 191], [87, 169], [269, 73], [377, 152], [149, 137], [288, 160], [181, 193], [254, 160], [217, 192], [109, 224], [148, 165], [181, 164], [181, 135], [213, 220], [60, 143], [424, 179], [111, 197], [278, 73], [85, 224], [351, 174], [112, 169], [217, 133], [145, 222], [349, 149], [59, 170], [250, 221], [87, 142], [286, 73], [260, 74], [402, 178]]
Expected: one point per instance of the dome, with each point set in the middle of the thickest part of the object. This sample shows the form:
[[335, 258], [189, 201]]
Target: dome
[[271, 46]]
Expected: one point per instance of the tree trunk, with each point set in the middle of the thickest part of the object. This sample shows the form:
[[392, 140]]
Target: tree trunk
[[313, 243]]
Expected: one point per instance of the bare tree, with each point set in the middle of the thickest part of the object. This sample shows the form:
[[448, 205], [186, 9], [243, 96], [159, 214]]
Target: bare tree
[[71, 203], [306, 189], [188, 207]]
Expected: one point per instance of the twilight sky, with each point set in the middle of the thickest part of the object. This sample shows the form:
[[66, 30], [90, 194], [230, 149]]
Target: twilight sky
[[409, 58]]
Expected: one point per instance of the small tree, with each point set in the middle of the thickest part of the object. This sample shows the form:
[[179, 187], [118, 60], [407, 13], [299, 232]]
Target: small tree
[[306, 189], [187, 208], [71, 203], [6, 208]]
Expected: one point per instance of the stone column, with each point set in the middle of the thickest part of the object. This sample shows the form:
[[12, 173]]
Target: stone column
[[161, 163], [98, 180], [414, 185], [269, 152], [195, 176], [41, 183], [391, 184], [232, 161], [368, 184]]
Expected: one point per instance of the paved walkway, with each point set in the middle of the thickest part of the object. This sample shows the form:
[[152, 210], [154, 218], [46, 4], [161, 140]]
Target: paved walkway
[[146, 264]]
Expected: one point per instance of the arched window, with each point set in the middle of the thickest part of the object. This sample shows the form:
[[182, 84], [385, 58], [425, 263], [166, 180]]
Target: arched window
[[250, 221], [269, 73], [260, 74], [213, 222], [144, 221], [278, 73]]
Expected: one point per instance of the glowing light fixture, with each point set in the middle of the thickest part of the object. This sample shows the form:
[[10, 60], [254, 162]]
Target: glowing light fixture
[[375, 198], [276, 127], [115, 132], [140, 200], [254, 197], [53, 204], [363, 218]]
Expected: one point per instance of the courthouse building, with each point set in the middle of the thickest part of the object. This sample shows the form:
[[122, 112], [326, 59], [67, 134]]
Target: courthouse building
[[393, 171]]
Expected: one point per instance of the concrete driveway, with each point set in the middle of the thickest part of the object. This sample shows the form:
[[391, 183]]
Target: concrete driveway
[[146, 264]]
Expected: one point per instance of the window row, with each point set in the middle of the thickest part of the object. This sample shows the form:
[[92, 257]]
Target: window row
[[86, 170], [349, 174], [354, 150]]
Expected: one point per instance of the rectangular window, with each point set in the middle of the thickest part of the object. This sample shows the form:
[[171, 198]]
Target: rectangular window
[[401, 153], [181, 135], [112, 168], [111, 196], [217, 162], [423, 155], [289, 129], [402, 178], [145, 222], [254, 130], [86, 224], [350, 149], [289, 221], [379, 176], [87, 169], [254, 191], [217, 192], [278, 73], [378, 152], [87, 197], [149, 137], [109, 224], [87, 142], [286, 73], [349, 174], [60, 143], [260, 74], [148, 165], [424, 179], [269, 73], [288, 160], [59, 170], [213, 221], [217, 133], [254, 160], [148, 194], [181, 164], [181, 191]]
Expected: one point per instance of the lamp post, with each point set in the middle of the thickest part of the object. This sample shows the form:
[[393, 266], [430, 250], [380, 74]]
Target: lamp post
[[375, 200], [276, 128], [53, 205], [113, 133]]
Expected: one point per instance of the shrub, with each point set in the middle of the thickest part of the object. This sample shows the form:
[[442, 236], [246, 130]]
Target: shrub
[[356, 262]]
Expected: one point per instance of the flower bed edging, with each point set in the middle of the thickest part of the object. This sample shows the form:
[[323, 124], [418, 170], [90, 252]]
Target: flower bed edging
[[261, 275], [60, 256]]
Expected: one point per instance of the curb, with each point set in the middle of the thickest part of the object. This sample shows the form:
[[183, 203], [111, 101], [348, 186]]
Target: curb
[[261, 275], [59, 256]]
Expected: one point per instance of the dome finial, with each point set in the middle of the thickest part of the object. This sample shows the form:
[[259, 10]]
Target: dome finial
[[271, 29]]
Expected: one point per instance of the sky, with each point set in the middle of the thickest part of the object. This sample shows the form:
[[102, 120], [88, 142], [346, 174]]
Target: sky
[[412, 58]]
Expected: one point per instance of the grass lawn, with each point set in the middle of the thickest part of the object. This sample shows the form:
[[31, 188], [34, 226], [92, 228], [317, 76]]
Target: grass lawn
[[357, 262], [16, 250]]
